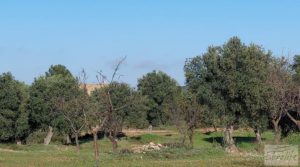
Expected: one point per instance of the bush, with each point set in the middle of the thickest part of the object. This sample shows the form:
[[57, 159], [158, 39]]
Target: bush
[[36, 137]]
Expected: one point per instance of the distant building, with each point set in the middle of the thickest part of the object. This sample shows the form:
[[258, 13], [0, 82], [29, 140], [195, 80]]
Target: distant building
[[91, 87]]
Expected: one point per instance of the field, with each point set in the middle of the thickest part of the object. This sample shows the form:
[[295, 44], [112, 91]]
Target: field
[[207, 151]]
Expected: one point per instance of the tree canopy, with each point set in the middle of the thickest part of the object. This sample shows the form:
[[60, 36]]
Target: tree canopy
[[157, 86], [230, 81], [13, 114], [44, 94]]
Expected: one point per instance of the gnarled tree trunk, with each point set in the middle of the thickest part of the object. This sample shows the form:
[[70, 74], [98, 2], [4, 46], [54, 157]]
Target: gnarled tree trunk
[[48, 138], [191, 135], [191, 140], [277, 131], [297, 122], [228, 140], [113, 140], [258, 135], [183, 138], [215, 128], [68, 139], [19, 142], [77, 142]]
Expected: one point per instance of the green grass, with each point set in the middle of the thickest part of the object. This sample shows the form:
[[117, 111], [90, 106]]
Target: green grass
[[207, 151], [293, 138], [146, 138]]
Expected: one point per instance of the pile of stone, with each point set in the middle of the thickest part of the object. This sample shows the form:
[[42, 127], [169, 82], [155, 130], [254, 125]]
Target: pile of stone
[[148, 147]]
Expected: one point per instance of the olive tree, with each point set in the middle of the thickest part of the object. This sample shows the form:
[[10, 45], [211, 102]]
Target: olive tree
[[185, 113], [230, 82], [157, 86], [44, 92], [13, 114]]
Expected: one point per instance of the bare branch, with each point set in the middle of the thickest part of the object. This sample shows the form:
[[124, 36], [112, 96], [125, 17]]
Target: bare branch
[[117, 68]]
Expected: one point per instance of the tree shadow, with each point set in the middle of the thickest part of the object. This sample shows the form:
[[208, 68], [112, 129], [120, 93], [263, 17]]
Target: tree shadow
[[238, 139], [88, 137], [208, 133], [101, 134], [138, 138]]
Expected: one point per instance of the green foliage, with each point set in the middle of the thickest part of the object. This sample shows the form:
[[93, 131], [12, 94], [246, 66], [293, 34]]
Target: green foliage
[[233, 84], [185, 113], [13, 116], [157, 86], [254, 89], [36, 137], [230, 81], [204, 78], [129, 105], [45, 92], [281, 83], [58, 70], [137, 112], [296, 68]]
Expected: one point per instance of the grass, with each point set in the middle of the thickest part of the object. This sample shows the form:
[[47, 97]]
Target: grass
[[207, 151]]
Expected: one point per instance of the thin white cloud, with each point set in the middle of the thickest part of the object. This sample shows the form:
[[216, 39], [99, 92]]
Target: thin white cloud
[[150, 65]]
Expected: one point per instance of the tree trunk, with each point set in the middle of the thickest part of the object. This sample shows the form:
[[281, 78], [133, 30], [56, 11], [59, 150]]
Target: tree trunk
[[258, 135], [48, 138], [114, 142], [183, 139], [191, 135], [277, 131], [68, 139], [18, 141], [294, 120], [215, 128], [298, 124], [228, 140], [181, 131], [77, 142], [96, 148]]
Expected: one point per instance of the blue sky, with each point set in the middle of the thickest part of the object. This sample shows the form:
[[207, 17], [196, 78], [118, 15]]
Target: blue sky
[[153, 34]]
